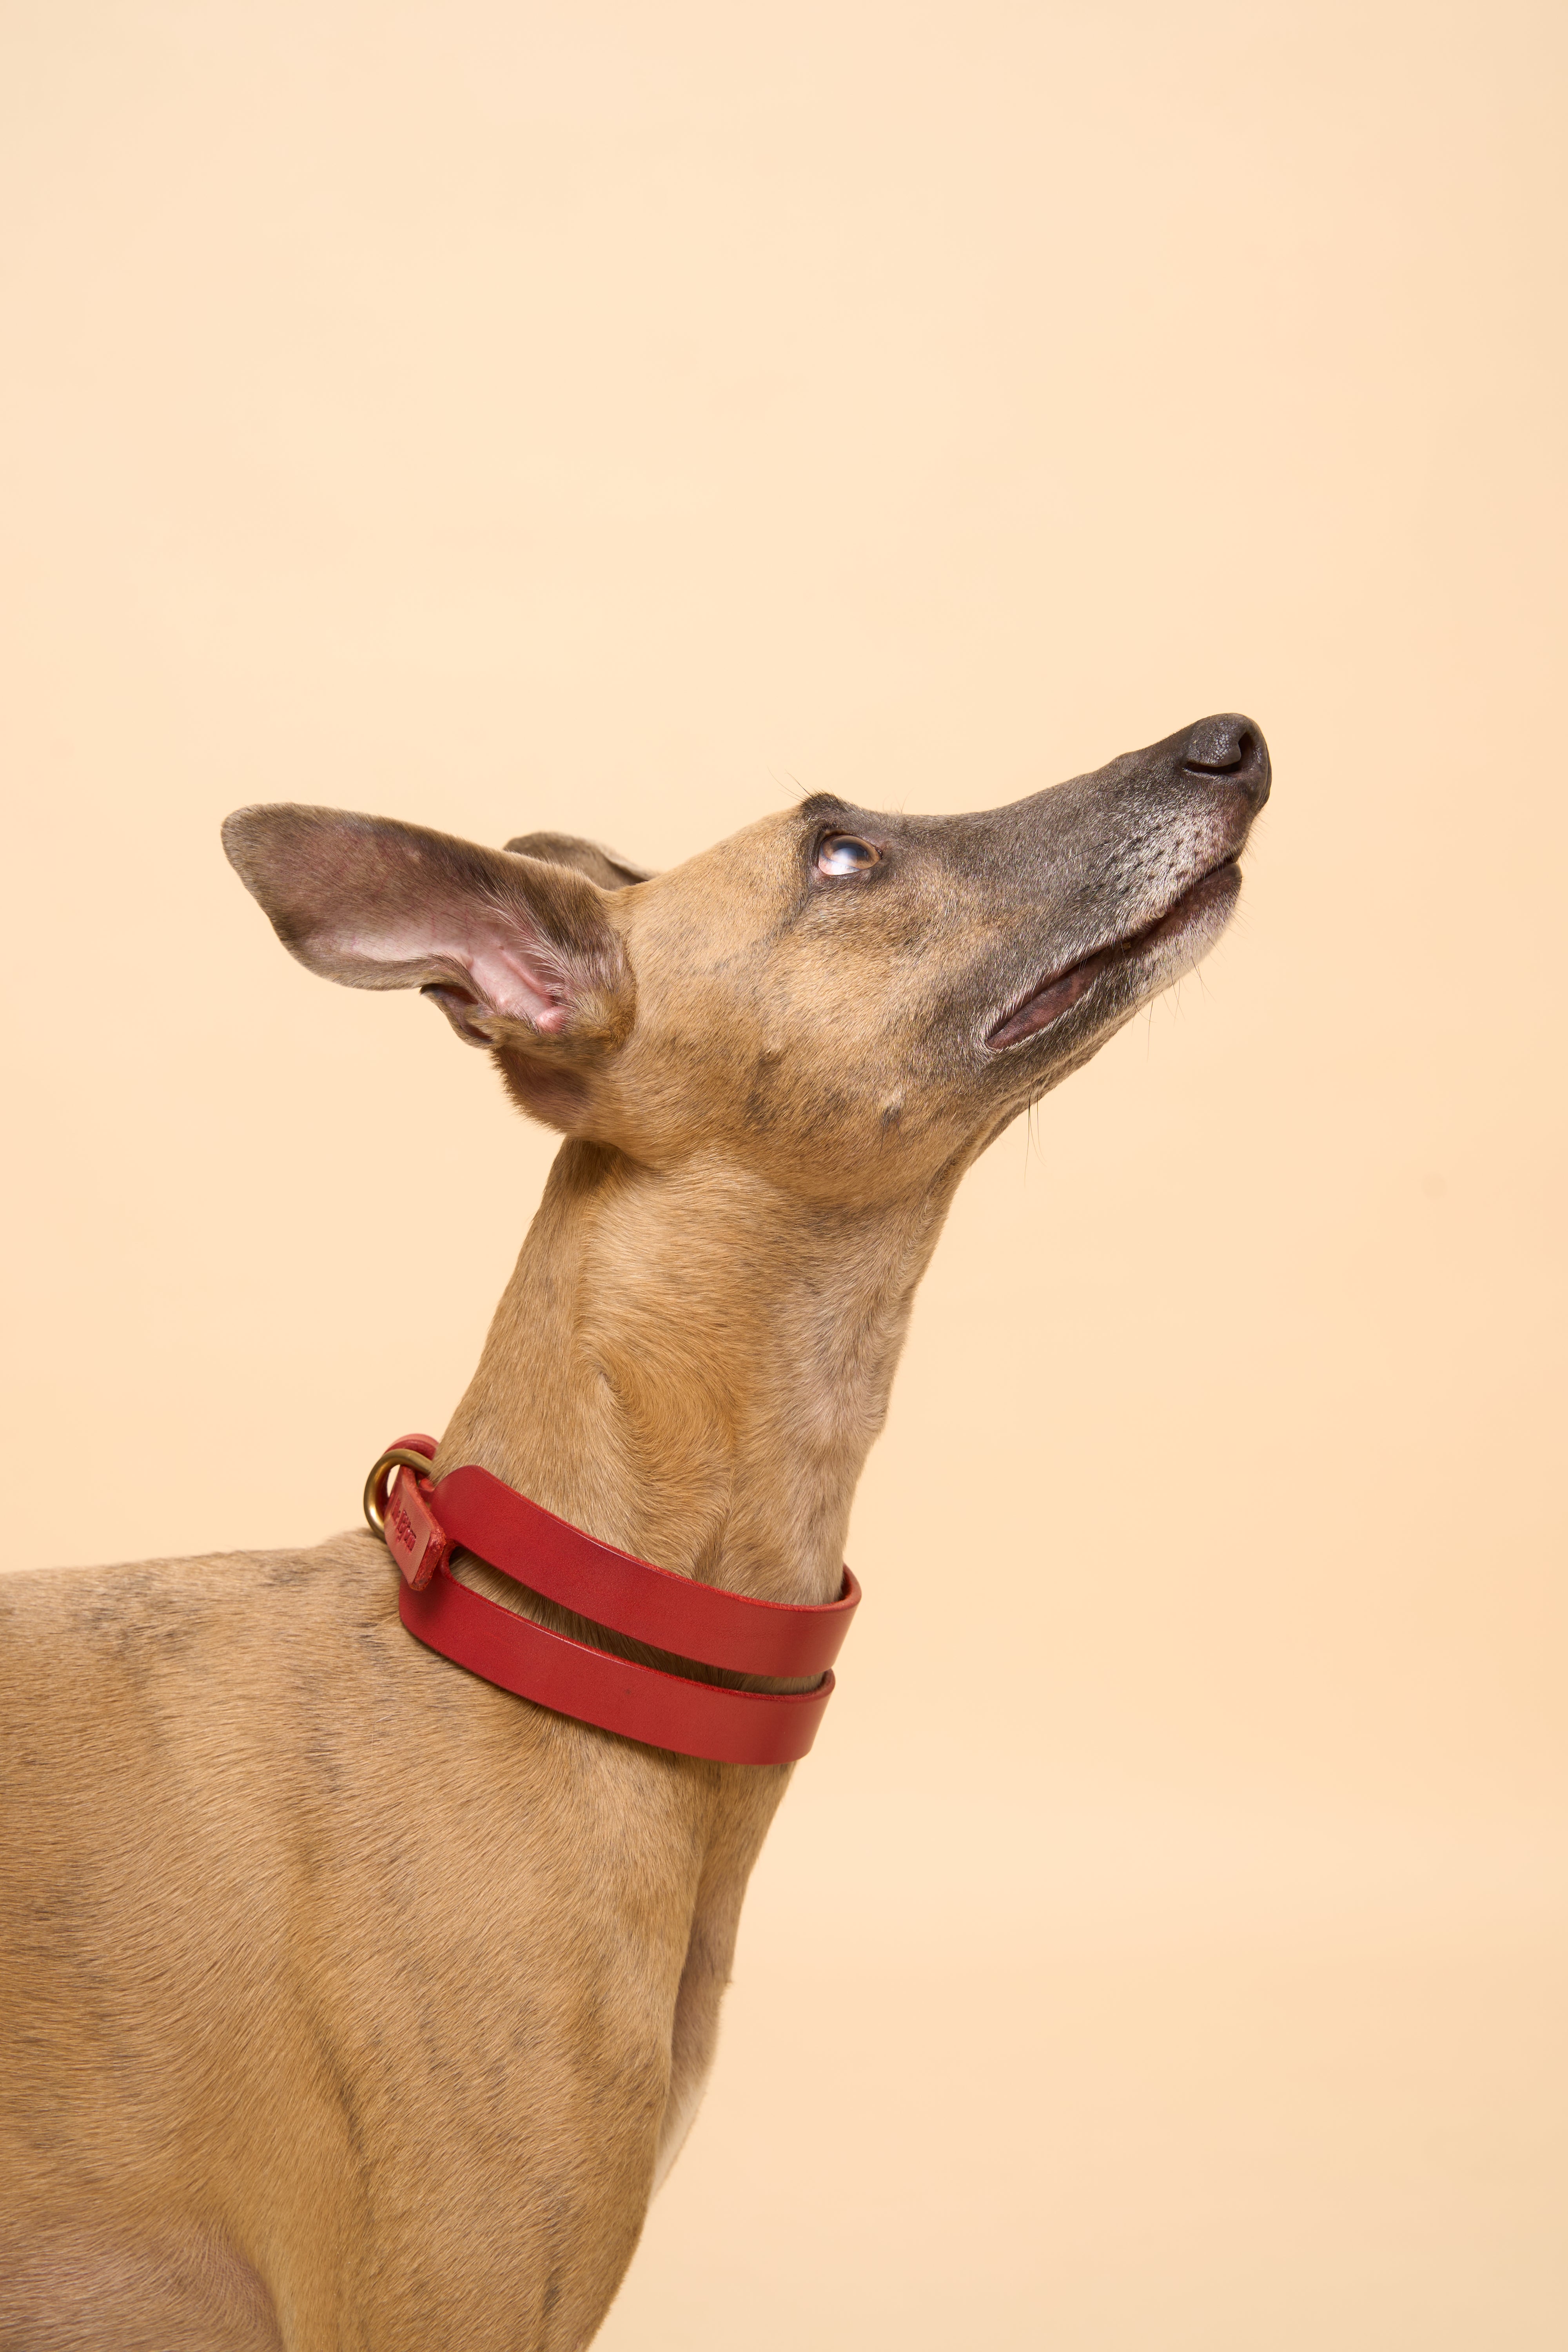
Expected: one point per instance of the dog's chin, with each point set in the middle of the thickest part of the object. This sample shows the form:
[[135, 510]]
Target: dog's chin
[[1179, 941], [1133, 968]]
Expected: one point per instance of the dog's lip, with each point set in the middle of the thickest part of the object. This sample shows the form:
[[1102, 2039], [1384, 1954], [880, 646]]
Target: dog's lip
[[1051, 997]]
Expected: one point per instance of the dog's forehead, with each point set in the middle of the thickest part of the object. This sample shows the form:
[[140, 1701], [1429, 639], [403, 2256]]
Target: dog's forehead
[[781, 844], [968, 838], [753, 887], [761, 863]]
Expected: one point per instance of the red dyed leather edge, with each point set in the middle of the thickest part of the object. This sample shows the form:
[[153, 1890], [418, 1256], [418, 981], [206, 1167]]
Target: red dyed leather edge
[[728, 1726], [630, 1595]]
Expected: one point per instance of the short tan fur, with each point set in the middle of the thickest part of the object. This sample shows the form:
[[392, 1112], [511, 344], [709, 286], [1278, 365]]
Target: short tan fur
[[348, 2002]]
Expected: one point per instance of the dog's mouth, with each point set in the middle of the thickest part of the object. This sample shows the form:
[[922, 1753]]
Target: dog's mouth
[[1211, 896]]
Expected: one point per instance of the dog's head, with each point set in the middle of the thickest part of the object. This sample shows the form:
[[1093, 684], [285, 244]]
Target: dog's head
[[852, 1002]]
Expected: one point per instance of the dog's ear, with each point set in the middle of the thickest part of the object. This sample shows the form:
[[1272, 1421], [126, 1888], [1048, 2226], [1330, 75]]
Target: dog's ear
[[517, 950], [590, 858]]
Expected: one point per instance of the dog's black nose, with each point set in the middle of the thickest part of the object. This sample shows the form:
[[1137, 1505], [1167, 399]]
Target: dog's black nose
[[1230, 747]]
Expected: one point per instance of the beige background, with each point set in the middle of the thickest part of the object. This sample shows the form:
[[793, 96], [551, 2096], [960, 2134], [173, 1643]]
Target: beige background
[[627, 419]]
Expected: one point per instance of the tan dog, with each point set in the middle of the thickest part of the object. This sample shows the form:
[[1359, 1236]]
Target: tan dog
[[349, 2001]]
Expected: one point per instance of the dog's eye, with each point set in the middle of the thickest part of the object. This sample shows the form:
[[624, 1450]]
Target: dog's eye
[[844, 853]]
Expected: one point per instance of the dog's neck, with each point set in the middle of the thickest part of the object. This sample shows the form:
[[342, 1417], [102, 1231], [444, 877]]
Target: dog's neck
[[694, 1365]]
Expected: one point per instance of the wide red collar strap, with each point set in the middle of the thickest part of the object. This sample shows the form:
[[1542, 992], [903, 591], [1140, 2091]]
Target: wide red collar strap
[[424, 1522]]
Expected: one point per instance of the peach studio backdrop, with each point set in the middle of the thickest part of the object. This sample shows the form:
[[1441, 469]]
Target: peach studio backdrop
[[629, 419]]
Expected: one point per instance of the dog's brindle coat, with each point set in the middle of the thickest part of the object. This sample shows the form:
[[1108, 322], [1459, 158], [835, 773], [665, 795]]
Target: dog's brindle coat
[[348, 2001]]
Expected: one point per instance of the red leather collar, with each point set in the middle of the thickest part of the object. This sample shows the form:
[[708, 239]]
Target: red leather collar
[[469, 1510]]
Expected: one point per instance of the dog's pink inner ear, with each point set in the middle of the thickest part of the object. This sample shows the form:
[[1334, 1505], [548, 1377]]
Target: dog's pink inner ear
[[498, 968]]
